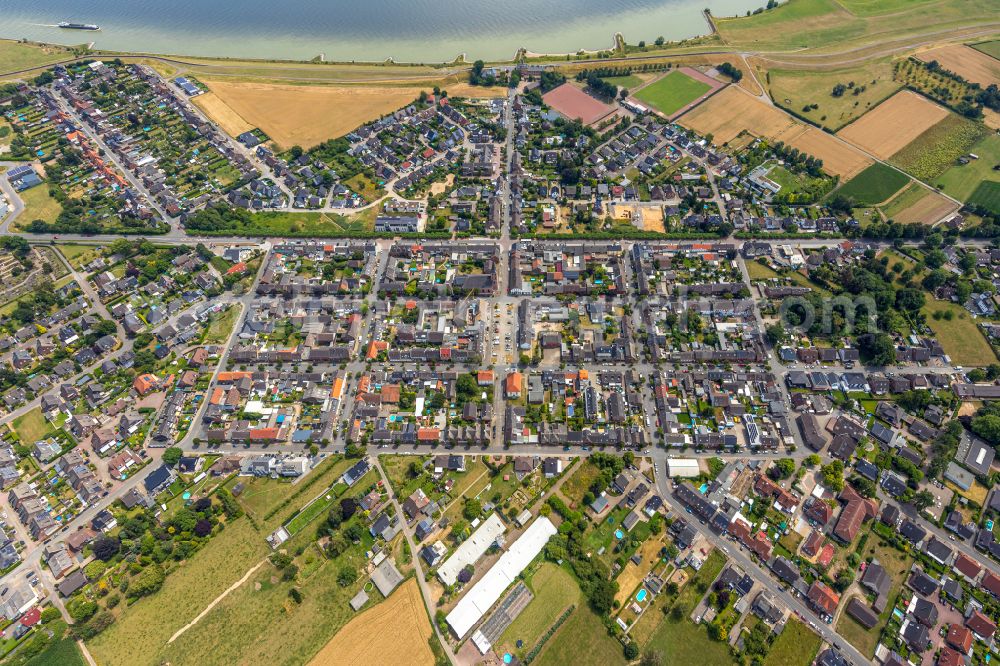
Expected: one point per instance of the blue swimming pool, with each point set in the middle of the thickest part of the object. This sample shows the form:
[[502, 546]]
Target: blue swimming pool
[[641, 595], [619, 534], [702, 488]]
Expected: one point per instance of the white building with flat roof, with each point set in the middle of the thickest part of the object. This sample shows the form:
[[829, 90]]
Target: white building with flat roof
[[682, 467], [471, 549]]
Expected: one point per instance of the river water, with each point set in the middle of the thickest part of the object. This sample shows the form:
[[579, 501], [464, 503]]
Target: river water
[[405, 30]]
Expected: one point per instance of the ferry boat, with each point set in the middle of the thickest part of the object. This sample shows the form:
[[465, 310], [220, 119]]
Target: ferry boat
[[78, 26]]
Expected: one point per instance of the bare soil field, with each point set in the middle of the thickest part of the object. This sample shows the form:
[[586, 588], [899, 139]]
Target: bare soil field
[[308, 115], [731, 111], [927, 210], [967, 62], [893, 124], [231, 122], [395, 631]]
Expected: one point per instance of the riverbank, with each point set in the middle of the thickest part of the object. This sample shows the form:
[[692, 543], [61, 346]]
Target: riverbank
[[302, 30]]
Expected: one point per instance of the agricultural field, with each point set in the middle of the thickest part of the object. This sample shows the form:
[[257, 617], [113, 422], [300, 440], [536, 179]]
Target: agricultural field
[[231, 122], [873, 185], [798, 89], [929, 208], [672, 92], [732, 111], [989, 48], [961, 180], [395, 631], [554, 591], [936, 150], [987, 195], [797, 644], [894, 124], [962, 340], [967, 62], [823, 24], [302, 115]]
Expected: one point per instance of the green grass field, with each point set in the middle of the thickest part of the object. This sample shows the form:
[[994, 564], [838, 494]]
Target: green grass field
[[991, 49], [796, 645], [32, 427], [581, 640], [962, 340], [142, 629], [78, 255], [796, 89], [683, 642], [672, 93], [577, 485], [15, 56], [759, 271], [38, 205], [873, 185], [987, 195], [555, 590], [59, 652], [876, 7], [960, 181], [222, 325], [936, 150]]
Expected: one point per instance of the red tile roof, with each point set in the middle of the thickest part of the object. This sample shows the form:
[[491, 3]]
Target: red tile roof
[[959, 638], [823, 598], [981, 625], [967, 566]]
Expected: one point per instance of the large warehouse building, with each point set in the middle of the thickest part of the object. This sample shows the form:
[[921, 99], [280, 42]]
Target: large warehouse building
[[487, 591]]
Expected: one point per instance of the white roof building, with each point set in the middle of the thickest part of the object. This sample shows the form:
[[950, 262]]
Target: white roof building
[[487, 591], [471, 549], [682, 467]]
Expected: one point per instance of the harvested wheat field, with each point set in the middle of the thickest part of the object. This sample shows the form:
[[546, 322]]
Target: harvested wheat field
[[231, 122], [929, 209], [893, 124], [731, 111], [970, 64], [308, 115], [395, 631]]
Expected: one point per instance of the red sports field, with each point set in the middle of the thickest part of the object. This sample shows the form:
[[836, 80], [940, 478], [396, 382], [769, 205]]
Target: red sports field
[[575, 104]]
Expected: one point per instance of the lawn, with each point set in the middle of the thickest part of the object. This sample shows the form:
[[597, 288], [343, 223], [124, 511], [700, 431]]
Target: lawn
[[629, 81], [38, 205], [987, 195], [962, 340], [936, 150], [795, 646], [397, 469], [555, 590], [960, 181], [32, 427], [873, 185], [79, 255], [222, 325], [865, 640], [672, 93], [15, 56], [582, 640], [798, 90], [141, 630], [684, 642], [989, 48], [759, 271], [298, 224]]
